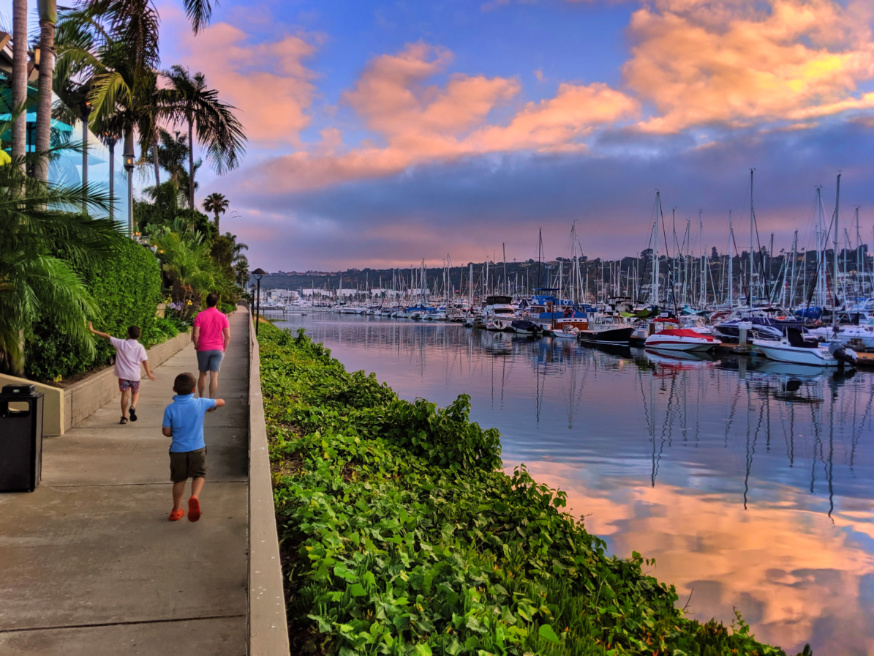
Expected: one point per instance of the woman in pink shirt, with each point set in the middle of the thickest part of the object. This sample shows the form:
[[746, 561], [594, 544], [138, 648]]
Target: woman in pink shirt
[[211, 335]]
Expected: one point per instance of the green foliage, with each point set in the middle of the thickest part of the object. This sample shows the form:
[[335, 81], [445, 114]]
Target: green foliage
[[43, 236], [404, 537], [127, 287], [161, 330]]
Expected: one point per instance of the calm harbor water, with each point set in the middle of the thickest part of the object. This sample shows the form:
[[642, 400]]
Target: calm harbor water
[[751, 483]]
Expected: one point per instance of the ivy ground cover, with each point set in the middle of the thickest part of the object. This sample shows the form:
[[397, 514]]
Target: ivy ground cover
[[402, 535]]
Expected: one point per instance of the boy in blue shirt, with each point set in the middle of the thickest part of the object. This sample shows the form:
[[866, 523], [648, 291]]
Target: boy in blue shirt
[[183, 421]]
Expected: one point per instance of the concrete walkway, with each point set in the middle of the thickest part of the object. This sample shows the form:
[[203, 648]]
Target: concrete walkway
[[89, 563]]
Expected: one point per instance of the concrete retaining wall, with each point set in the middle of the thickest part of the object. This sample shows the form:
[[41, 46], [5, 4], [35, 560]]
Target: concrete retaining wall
[[90, 394], [64, 408], [268, 630], [53, 404]]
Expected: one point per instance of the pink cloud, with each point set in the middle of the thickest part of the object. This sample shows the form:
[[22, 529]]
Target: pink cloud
[[730, 62], [421, 122], [267, 82]]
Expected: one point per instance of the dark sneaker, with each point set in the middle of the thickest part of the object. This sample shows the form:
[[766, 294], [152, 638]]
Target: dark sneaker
[[133, 414]]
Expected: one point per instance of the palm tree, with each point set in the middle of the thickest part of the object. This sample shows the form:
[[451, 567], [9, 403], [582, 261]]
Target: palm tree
[[114, 45], [38, 221], [186, 261], [48, 16], [19, 80], [214, 123], [172, 153], [241, 271], [218, 205]]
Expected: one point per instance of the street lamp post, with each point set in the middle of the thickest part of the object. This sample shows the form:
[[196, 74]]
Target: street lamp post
[[258, 273], [110, 140], [129, 167]]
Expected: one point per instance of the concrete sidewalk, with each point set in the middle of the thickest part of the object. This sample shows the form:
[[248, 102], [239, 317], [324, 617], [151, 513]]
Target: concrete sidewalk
[[89, 563]]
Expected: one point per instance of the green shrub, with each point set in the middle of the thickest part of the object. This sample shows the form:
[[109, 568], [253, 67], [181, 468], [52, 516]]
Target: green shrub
[[127, 287], [161, 330]]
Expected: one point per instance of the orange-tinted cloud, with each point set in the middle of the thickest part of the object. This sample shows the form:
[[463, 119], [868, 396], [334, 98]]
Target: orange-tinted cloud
[[730, 62], [267, 82], [421, 122]]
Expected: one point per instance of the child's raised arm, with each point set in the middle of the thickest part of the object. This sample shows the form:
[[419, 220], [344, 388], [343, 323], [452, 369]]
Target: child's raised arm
[[97, 332], [219, 403]]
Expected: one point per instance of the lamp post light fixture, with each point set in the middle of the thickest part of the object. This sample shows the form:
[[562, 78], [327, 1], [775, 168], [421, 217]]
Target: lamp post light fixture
[[258, 273], [110, 140], [129, 167]]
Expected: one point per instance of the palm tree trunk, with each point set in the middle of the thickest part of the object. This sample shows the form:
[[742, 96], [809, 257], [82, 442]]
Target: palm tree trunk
[[190, 162], [16, 358], [47, 18], [217, 231], [19, 77], [84, 160], [157, 165]]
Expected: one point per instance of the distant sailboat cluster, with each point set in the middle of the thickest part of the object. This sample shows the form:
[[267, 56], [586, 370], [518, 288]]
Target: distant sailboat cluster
[[814, 310]]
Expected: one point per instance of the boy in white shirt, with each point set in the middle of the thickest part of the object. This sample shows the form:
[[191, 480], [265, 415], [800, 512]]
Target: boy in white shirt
[[129, 353]]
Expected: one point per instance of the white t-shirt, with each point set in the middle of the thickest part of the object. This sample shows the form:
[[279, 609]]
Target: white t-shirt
[[128, 355]]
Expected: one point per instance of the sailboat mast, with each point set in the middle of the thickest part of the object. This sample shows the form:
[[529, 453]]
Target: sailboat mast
[[752, 219], [655, 253], [837, 243], [730, 263], [506, 279], [820, 294]]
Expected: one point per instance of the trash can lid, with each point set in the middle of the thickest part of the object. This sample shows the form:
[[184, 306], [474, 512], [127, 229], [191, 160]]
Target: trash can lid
[[20, 390]]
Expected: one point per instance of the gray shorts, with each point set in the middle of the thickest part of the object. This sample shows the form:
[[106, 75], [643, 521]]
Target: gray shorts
[[209, 360]]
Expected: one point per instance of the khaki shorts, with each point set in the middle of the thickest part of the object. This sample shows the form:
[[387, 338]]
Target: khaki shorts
[[187, 464]]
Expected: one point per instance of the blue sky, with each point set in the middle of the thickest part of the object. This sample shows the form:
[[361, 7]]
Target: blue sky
[[382, 133]]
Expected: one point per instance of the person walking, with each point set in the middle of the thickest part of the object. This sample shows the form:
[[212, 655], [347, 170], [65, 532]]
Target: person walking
[[211, 335], [129, 353]]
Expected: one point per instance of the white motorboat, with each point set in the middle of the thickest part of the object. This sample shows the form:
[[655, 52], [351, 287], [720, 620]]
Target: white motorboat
[[681, 339], [566, 332], [795, 350], [862, 335], [497, 314]]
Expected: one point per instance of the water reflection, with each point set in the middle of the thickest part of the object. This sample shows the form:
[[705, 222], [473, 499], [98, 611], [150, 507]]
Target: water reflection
[[750, 482]]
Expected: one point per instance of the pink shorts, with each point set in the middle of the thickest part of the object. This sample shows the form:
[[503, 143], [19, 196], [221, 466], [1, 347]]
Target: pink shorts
[[133, 385]]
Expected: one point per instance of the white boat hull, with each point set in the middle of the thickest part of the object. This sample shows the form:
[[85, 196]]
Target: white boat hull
[[783, 352], [677, 344]]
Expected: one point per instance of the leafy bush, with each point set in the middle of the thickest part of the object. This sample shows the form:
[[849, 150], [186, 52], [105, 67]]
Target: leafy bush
[[127, 288], [161, 330], [402, 537]]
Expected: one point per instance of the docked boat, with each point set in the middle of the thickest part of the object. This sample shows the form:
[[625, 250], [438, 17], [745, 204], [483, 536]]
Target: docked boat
[[565, 332], [605, 329], [524, 327], [681, 339], [497, 314], [794, 349]]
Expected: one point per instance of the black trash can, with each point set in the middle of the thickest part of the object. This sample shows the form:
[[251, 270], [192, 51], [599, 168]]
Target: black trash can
[[21, 409]]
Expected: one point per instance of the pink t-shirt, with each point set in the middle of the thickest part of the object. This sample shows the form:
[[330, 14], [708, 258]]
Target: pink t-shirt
[[128, 355], [211, 323]]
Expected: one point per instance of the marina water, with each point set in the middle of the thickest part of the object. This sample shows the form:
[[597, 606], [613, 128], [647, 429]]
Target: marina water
[[751, 483]]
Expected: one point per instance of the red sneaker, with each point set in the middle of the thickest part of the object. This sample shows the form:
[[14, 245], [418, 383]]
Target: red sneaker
[[176, 515]]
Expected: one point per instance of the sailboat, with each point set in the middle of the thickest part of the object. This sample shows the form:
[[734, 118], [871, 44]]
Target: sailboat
[[794, 349]]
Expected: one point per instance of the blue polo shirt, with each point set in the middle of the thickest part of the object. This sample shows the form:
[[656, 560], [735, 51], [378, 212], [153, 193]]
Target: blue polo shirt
[[185, 418]]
